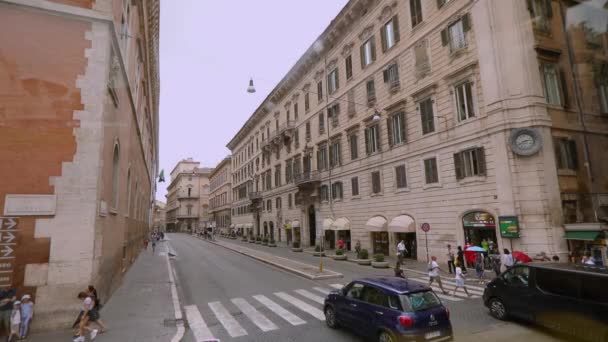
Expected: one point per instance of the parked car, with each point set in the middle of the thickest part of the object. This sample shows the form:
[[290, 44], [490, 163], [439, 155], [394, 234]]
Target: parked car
[[389, 309], [571, 299]]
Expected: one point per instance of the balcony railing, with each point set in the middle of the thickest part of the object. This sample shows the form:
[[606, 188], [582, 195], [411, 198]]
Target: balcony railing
[[307, 177], [187, 216], [585, 207], [186, 196], [255, 195]]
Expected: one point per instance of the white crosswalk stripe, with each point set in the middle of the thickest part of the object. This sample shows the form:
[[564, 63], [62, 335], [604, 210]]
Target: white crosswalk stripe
[[279, 310], [336, 286], [318, 314], [197, 324], [311, 296], [322, 290], [450, 289], [451, 285], [254, 315], [233, 327], [451, 281]]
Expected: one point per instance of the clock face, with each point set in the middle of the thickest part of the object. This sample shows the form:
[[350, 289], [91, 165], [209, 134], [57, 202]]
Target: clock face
[[524, 141]]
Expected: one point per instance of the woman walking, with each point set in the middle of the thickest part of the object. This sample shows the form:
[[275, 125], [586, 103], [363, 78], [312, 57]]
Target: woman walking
[[459, 278]]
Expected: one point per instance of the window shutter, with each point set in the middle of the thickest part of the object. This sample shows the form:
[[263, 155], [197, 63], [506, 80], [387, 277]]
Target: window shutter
[[481, 159], [389, 127], [563, 88], [457, 166], [383, 38], [367, 145], [319, 166], [444, 37], [385, 75], [402, 124], [337, 79], [573, 153], [378, 137], [548, 9], [362, 54], [466, 22], [396, 28], [373, 42], [440, 3]]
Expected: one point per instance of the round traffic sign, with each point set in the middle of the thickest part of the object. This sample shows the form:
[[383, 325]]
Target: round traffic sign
[[425, 227]]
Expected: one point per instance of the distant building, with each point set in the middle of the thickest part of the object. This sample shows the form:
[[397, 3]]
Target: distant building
[[221, 195], [188, 197], [160, 216]]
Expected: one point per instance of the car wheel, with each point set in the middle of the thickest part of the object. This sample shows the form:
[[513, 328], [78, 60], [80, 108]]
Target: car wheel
[[498, 309], [385, 336], [330, 317]]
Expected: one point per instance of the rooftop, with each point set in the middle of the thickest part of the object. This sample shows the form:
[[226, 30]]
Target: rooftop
[[395, 284]]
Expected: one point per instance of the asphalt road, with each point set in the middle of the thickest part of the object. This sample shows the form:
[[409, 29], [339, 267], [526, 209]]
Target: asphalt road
[[230, 297]]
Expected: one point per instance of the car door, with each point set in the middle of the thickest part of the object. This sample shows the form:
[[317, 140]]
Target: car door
[[516, 294], [373, 310], [347, 311]]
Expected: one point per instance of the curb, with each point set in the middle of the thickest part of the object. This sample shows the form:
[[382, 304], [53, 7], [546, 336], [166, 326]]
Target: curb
[[281, 266]]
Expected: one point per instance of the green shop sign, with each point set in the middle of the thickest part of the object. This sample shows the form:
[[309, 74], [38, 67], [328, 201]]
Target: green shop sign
[[509, 226]]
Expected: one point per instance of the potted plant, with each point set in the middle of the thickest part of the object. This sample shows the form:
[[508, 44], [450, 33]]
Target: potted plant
[[295, 246], [318, 251], [244, 238], [272, 243], [258, 240], [251, 239], [379, 261], [363, 258], [340, 255], [265, 241]]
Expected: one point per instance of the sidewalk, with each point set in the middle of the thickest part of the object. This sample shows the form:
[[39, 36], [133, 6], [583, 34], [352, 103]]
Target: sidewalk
[[137, 310]]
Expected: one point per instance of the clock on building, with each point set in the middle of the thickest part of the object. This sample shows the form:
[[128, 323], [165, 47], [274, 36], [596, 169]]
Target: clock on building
[[525, 141]]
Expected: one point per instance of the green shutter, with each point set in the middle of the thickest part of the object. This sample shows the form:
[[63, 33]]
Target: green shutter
[[564, 88], [466, 22], [457, 166], [367, 146], [389, 128], [572, 152], [383, 38], [402, 124], [373, 42], [440, 3], [444, 37], [548, 8], [362, 55], [481, 160], [396, 29]]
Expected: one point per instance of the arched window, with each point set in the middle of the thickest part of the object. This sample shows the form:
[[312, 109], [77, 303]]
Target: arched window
[[129, 192], [115, 162]]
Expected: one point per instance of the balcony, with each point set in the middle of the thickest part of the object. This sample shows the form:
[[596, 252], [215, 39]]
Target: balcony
[[186, 196], [310, 178], [254, 196], [187, 216], [585, 211]]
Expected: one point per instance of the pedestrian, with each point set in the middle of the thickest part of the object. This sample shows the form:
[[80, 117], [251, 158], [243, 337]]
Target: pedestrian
[[451, 258], [459, 278], [555, 258], [27, 313], [496, 263], [340, 244], [146, 243], [398, 270], [479, 268], [358, 248], [401, 250], [153, 245], [589, 260], [7, 297], [507, 259], [15, 321], [92, 292], [460, 258], [434, 273], [485, 244], [88, 315]]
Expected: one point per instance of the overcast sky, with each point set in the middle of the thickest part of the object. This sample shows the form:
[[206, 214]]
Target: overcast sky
[[208, 51]]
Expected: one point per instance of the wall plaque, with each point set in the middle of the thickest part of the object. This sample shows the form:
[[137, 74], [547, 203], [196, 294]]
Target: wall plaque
[[30, 205]]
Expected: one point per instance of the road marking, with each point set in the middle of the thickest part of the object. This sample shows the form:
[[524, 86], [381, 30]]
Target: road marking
[[311, 296], [451, 287], [179, 333], [197, 324], [279, 310], [322, 290], [254, 315], [230, 324], [449, 281], [318, 314], [337, 286]]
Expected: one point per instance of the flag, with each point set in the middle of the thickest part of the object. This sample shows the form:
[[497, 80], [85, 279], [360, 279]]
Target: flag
[[161, 177]]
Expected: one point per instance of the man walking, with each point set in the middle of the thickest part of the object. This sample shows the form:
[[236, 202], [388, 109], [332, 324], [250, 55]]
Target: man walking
[[401, 250], [451, 258], [434, 274], [7, 297]]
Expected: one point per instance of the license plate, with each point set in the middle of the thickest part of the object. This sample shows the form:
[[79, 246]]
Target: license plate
[[431, 335]]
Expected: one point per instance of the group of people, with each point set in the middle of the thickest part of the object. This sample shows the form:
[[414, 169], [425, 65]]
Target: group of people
[[89, 315], [15, 315], [155, 237]]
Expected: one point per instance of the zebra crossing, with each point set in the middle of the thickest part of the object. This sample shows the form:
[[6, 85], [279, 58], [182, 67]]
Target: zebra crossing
[[266, 313]]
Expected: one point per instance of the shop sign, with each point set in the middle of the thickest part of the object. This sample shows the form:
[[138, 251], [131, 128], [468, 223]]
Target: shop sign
[[478, 219], [509, 226]]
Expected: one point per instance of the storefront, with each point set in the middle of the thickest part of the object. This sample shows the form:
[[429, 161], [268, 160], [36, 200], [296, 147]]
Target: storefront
[[288, 232], [297, 233], [377, 227], [342, 229], [587, 239], [479, 226], [330, 236], [403, 228]]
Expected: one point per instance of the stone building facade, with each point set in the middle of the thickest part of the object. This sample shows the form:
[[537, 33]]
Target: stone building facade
[[480, 120], [188, 197], [220, 182], [79, 89], [159, 217]]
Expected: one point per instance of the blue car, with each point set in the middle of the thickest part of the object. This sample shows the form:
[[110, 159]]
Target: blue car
[[388, 309]]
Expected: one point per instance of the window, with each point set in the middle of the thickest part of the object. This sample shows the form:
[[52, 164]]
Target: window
[[307, 102], [464, 101], [427, 118], [324, 194], [126, 18], [400, 177], [354, 186], [470, 163], [278, 203], [332, 81], [277, 176], [430, 171], [332, 113], [557, 283], [541, 13], [308, 131], [289, 201], [374, 296], [368, 53], [390, 34], [391, 76], [321, 123], [440, 3], [396, 129], [593, 290], [355, 291], [454, 34], [415, 12], [295, 111], [287, 117], [601, 79], [336, 191], [376, 185], [566, 156], [268, 180], [189, 210], [115, 171], [320, 91], [335, 154], [296, 137], [269, 205], [288, 171], [371, 92], [354, 149], [372, 139], [349, 67], [322, 157], [551, 79]]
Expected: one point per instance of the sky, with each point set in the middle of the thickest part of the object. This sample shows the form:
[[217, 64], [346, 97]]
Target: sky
[[209, 49]]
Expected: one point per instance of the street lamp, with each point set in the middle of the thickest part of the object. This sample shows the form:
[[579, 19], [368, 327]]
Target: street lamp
[[251, 88], [376, 116]]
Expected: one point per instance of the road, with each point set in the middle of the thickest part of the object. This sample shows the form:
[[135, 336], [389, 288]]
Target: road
[[228, 296]]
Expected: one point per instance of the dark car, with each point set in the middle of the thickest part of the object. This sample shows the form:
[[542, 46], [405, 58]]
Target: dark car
[[571, 299], [389, 309]]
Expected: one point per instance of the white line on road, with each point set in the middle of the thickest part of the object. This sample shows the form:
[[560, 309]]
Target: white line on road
[[197, 324], [179, 334], [450, 288], [337, 286], [301, 305], [322, 290], [453, 282], [233, 327], [311, 296], [279, 310], [254, 315]]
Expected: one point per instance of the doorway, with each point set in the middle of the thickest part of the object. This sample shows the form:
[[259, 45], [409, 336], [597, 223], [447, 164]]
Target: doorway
[[380, 242], [271, 225], [330, 239], [409, 239], [265, 229], [312, 225]]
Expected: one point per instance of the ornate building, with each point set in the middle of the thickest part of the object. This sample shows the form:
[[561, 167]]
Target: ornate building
[[221, 195]]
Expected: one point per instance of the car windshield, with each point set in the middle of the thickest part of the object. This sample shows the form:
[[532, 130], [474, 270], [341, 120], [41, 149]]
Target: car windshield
[[419, 301]]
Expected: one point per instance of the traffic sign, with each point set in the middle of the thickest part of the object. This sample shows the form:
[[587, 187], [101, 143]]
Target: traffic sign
[[6, 251], [425, 227], [8, 223], [6, 237]]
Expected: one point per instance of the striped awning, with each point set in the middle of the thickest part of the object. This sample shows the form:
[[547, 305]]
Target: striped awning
[[327, 224], [341, 224], [402, 224], [376, 224]]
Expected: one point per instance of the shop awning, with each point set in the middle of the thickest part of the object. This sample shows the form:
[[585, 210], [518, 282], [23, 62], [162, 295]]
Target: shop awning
[[341, 224], [402, 224], [582, 235], [248, 226], [295, 224], [376, 224], [232, 225], [327, 224]]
